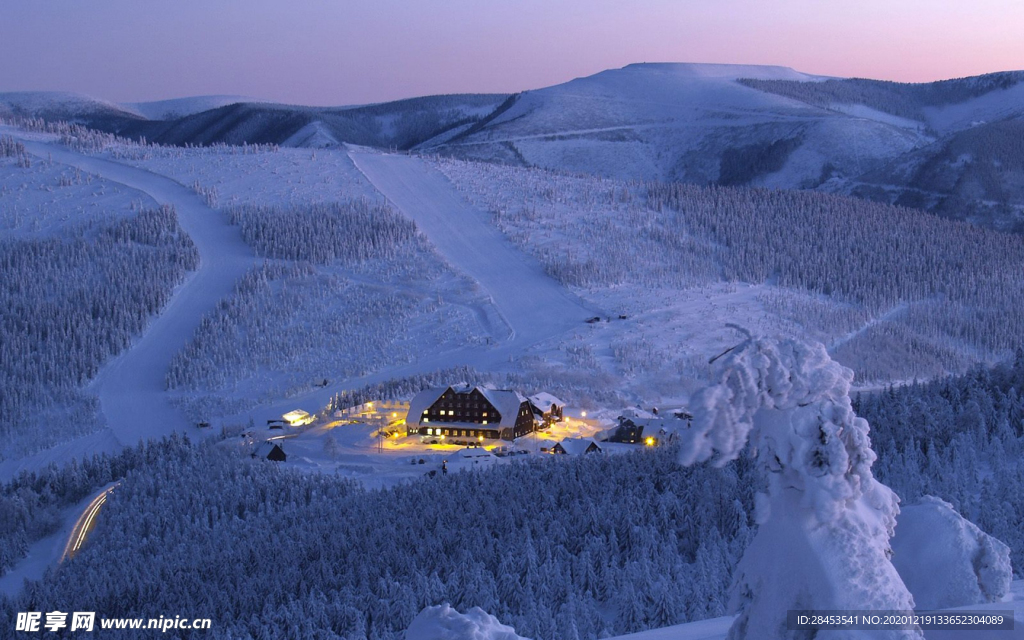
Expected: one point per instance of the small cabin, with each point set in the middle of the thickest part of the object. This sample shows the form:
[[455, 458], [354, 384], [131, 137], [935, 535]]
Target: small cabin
[[648, 431], [576, 447], [270, 451]]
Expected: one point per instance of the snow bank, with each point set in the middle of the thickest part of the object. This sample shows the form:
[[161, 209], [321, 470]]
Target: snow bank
[[947, 561], [442, 622], [823, 542]]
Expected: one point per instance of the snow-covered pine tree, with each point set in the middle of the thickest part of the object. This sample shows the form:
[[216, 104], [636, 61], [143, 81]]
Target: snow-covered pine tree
[[826, 522]]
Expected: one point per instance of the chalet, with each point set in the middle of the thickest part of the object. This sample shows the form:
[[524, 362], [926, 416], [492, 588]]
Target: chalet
[[547, 407], [633, 429], [270, 451], [576, 447], [464, 411]]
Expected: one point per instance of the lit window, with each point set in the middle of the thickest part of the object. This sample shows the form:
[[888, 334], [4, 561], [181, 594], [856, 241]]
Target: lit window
[[485, 414], [430, 431], [485, 422]]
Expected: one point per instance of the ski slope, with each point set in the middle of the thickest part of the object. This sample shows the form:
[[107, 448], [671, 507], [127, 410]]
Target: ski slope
[[532, 304], [131, 386]]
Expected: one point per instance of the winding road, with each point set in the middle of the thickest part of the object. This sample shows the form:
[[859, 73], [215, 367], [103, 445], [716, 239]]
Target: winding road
[[84, 524], [131, 386]]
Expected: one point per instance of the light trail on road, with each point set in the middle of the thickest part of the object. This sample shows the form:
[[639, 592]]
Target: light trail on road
[[84, 524]]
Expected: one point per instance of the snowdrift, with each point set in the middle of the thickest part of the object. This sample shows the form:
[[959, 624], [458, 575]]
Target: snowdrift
[[442, 622], [947, 561]]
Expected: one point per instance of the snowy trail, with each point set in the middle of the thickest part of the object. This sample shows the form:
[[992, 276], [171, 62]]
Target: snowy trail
[[130, 387], [888, 315], [534, 305]]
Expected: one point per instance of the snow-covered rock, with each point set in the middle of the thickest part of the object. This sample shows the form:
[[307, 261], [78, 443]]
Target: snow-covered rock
[[443, 622], [946, 560]]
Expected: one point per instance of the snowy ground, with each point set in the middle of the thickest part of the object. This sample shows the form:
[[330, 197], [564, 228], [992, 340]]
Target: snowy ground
[[260, 176], [370, 448], [50, 198], [717, 628]]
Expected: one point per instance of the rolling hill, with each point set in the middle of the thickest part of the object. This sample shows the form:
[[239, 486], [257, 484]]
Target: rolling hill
[[953, 147]]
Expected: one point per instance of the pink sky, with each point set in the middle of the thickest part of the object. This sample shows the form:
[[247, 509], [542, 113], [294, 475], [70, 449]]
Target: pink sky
[[333, 52]]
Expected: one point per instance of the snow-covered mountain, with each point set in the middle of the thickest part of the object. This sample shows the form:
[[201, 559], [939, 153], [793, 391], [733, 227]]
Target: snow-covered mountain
[[60, 105], [692, 123], [181, 107], [950, 147]]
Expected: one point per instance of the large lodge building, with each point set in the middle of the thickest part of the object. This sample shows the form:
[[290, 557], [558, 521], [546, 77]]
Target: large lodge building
[[462, 411]]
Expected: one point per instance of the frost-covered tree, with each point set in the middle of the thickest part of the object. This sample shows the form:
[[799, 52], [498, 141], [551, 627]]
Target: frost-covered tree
[[826, 522]]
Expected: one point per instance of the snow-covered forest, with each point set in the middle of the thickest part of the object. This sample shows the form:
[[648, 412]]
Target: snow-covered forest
[[347, 232], [906, 100], [67, 305], [31, 503], [558, 548], [548, 546], [908, 294], [960, 439], [345, 290]]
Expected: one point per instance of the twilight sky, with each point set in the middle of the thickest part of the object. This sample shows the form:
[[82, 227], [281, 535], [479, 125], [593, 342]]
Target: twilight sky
[[335, 52]]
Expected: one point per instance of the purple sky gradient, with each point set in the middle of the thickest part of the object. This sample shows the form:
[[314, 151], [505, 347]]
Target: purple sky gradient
[[335, 52]]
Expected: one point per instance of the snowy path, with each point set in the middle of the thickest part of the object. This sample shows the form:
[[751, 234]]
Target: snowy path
[[888, 315], [534, 305], [130, 387]]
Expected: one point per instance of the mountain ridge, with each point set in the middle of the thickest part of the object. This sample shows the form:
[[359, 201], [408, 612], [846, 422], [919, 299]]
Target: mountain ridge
[[700, 123]]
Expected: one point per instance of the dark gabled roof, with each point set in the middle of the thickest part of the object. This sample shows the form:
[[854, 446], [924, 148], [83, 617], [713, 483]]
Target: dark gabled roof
[[578, 446], [506, 403]]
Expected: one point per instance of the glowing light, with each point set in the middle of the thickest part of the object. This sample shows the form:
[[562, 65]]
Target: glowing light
[[480, 438], [649, 442], [583, 413], [442, 436]]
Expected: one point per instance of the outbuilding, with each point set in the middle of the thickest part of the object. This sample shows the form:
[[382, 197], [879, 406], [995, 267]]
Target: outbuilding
[[576, 447], [270, 451]]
